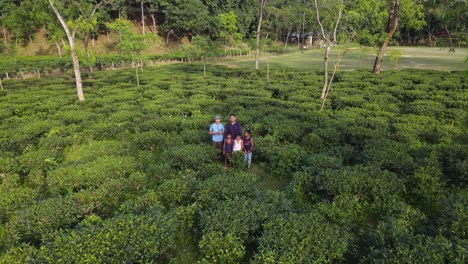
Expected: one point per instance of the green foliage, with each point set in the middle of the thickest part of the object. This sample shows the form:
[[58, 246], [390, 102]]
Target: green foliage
[[177, 191], [301, 238], [222, 187], [149, 237], [13, 198], [184, 17], [218, 248], [130, 43], [31, 224], [90, 175], [395, 56], [199, 47], [229, 31], [130, 175], [191, 157]]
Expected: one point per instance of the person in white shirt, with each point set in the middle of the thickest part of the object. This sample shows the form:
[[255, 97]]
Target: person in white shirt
[[238, 144]]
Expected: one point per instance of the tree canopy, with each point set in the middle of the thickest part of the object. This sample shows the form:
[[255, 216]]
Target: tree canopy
[[363, 20]]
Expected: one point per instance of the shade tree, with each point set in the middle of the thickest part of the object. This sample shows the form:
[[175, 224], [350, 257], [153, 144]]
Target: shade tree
[[335, 12], [73, 17], [261, 8], [228, 29], [199, 48], [130, 43], [183, 17]]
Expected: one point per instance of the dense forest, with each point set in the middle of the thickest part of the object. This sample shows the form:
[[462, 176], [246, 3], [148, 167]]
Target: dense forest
[[232, 22]]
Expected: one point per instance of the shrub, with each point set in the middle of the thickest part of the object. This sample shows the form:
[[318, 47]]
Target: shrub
[[110, 194], [388, 154], [284, 159], [240, 216], [301, 238], [93, 150], [150, 237], [141, 203], [217, 247], [222, 187], [90, 175], [13, 199], [33, 223], [190, 156], [393, 242], [177, 191], [427, 189], [370, 183]]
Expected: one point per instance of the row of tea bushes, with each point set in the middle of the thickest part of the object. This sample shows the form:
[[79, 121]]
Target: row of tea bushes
[[129, 175], [19, 67]]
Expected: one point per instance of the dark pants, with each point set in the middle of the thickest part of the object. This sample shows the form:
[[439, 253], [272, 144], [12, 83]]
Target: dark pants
[[218, 145], [227, 160]]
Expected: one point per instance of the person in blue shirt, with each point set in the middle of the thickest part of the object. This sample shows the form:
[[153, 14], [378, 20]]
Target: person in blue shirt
[[217, 132]]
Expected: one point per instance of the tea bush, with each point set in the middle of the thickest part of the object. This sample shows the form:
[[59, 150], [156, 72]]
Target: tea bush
[[31, 224], [301, 238], [129, 175], [150, 237], [218, 188]]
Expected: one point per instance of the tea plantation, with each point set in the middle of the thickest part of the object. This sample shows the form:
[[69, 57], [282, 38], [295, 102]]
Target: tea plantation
[[129, 175]]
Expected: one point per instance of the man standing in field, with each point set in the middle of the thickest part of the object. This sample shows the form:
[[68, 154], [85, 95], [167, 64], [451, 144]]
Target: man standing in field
[[217, 131], [233, 127]]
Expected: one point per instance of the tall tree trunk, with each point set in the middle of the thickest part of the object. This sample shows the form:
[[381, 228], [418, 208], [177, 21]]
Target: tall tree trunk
[[325, 70], [167, 36], [287, 37], [268, 68], [155, 28], [58, 48], [303, 34], [204, 65], [86, 40], [74, 56], [5, 37], [298, 30], [142, 17], [336, 68], [330, 43], [449, 35], [392, 26], [137, 77], [259, 28], [1, 84]]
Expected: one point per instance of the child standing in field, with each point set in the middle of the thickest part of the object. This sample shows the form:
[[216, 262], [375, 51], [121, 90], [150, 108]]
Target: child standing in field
[[248, 148], [227, 150], [238, 144]]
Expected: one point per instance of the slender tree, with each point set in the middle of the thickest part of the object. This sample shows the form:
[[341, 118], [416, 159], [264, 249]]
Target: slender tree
[[6, 6], [199, 48], [71, 34], [329, 42], [392, 26], [228, 30], [78, 14], [153, 8], [259, 28], [142, 8], [184, 18], [130, 43]]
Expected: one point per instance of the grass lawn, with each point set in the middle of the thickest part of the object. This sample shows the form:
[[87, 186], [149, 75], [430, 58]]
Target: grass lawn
[[363, 58]]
